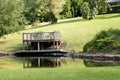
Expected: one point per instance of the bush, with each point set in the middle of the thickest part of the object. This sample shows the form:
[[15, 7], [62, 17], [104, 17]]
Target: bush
[[85, 10], [105, 41], [98, 64], [11, 17], [50, 16]]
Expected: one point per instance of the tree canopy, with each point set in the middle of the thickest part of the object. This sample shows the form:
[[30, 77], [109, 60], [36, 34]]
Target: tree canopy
[[15, 14], [90, 8], [11, 18]]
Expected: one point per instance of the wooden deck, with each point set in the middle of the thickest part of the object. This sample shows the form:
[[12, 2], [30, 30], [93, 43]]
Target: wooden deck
[[40, 41], [41, 37]]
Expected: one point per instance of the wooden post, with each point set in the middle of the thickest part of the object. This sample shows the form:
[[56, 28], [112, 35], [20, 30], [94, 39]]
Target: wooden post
[[57, 44], [38, 62], [27, 62], [27, 36], [41, 46], [54, 62], [23, 36], [57, 62], [38, 46], [23, 62], [27, 45], [23, 46], [30, 62], [54, 44], [31, 36]]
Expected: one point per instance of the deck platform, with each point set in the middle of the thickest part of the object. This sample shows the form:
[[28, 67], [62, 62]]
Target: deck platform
[[40, 43]]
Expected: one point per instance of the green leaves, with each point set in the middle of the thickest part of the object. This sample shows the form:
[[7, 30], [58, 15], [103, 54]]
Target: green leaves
[[66, 12], [102, 6], [90, 8], [85, 10], [105, 41], [39, 10], [11, 18]]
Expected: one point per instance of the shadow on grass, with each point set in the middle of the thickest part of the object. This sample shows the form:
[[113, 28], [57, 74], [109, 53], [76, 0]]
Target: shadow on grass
[[1, 68], [72, 21], [107, 17], [16, 47], [66, 21]]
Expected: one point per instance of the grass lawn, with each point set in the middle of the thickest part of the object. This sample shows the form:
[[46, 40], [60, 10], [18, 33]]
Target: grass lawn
[[76, 32], [72, 71]]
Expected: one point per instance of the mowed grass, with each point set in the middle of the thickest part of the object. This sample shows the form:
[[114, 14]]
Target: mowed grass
[[72, 71], [10, 63], [76, 32]]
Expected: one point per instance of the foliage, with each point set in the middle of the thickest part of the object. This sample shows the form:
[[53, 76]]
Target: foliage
[[55, 6], [11, 18], [75, 7], [41, 10], [14, 15], [105, 41], [85, 10], [113, 9], [71, 8], [76, 32], [50, 16], [94, 7], [35, 10], [100, 64], [66, 12], [102, 6]]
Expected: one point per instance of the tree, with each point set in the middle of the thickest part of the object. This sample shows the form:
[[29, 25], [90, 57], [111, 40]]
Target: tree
[[38, 10], [50, 16], [71, 8], [66, 12], [95, 7], [75, 7], [35, 10], [102, 6], [11, 18], [55, 6], [85, 10]]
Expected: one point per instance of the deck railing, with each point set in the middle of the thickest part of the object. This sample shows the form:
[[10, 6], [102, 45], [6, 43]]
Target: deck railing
[[42, 36]]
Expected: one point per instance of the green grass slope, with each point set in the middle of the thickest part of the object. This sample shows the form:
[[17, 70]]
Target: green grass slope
[[76, 32]]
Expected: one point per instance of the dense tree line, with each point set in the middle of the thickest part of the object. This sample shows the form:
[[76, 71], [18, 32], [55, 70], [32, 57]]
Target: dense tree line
[[71, 8], [15, 14], [85, 8], [11, 18]]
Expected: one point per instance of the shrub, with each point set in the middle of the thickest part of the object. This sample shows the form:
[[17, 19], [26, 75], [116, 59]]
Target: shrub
[[85, 10], [11, 17], [105, 41], [98, 64], [50, 16]]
